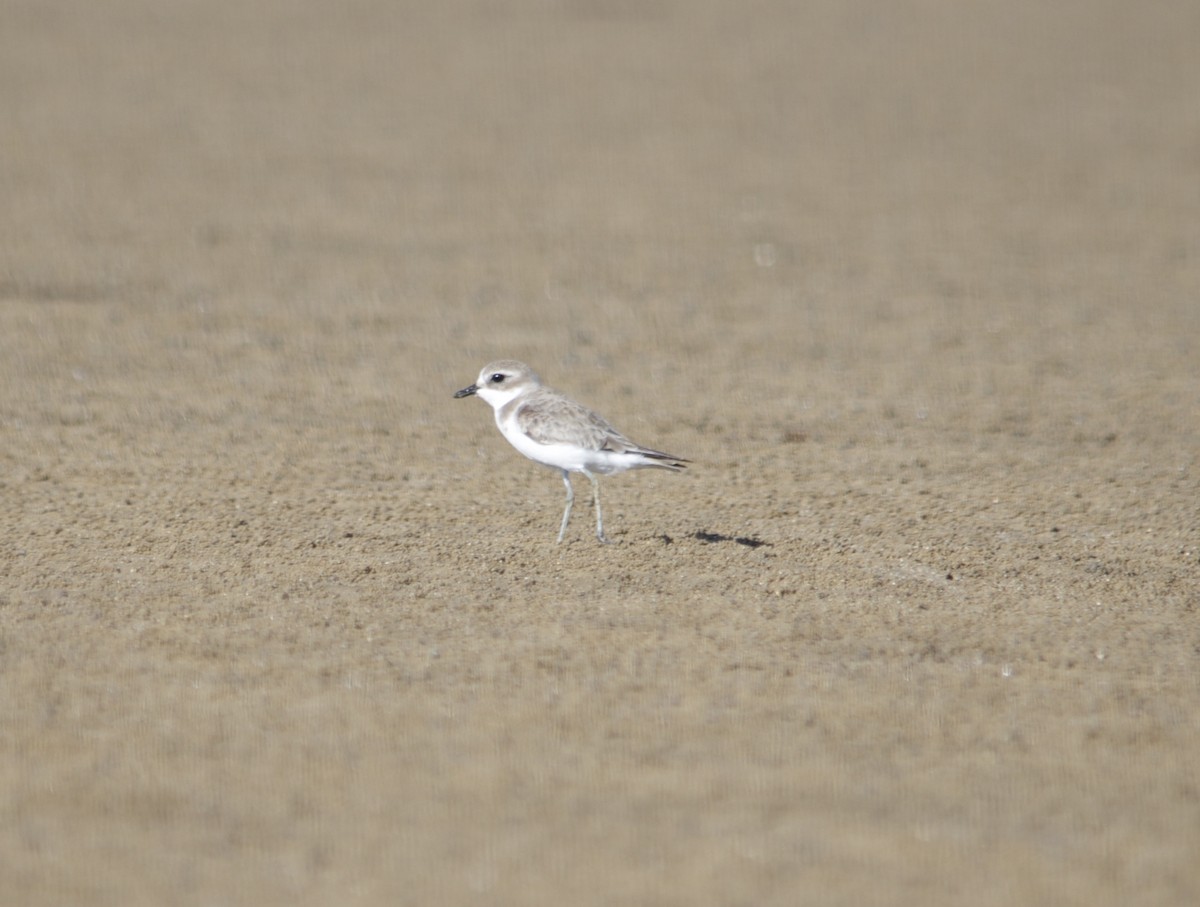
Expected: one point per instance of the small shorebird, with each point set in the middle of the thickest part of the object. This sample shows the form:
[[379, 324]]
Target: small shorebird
[[554, 430]]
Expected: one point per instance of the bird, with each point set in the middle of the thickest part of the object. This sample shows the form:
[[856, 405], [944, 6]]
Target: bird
[[552, 429]]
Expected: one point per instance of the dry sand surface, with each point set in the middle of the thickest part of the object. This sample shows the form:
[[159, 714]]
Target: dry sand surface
[[915, 285]]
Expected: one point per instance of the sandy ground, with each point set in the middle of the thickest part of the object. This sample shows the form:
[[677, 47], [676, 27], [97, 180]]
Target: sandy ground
[[915, 285]]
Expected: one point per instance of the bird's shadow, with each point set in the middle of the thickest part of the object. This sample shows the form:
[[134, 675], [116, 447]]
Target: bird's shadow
[[713, 538]]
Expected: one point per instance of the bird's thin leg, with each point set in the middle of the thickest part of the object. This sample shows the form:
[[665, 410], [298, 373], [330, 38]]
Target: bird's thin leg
[[562, 530], [596, 500]]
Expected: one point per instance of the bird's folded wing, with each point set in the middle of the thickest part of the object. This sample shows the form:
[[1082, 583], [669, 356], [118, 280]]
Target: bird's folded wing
[[551, 419]]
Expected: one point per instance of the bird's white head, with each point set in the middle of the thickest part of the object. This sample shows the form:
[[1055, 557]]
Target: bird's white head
[[501, 381]]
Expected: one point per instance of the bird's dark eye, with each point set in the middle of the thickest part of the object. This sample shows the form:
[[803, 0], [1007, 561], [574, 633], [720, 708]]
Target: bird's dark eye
[[497, 378]]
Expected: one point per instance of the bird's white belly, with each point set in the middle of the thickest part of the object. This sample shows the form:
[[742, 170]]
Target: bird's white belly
[[570, 457]]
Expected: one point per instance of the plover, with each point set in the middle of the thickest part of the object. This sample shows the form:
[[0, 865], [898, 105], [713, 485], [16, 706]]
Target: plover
[[552, 429]]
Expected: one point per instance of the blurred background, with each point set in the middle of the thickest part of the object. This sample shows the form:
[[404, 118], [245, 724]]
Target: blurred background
[[917, 287]]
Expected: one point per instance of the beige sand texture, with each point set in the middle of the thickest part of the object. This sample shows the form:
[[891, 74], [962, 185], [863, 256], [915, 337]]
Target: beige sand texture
[[915, 285]]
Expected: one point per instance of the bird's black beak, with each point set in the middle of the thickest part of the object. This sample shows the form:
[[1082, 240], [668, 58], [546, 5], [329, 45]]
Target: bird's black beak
[[466, 392]]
